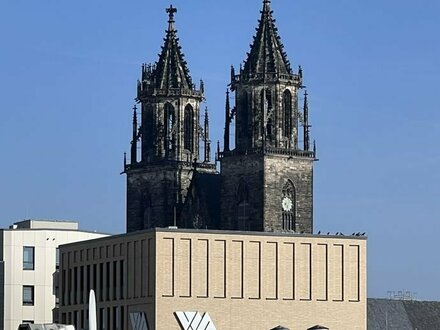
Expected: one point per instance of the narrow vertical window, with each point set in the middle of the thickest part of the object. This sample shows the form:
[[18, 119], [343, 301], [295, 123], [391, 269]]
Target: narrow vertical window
[[28, 258], [57, 258], [287, 114], [243, 117], [148, 122], [269, 129], [288, 204], [267, 113], [266, 100], [189, 128], [169, 123], [28, 295]]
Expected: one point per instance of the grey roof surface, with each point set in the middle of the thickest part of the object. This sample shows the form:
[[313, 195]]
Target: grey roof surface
[[403, 315]]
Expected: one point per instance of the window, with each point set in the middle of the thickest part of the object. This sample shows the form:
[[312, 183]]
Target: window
[[28, 295], [287, 113], [169, 123], [243, 117], [288, 204], [189, 128], [57, 258], [28, 257], [266, 100], [148, 133]]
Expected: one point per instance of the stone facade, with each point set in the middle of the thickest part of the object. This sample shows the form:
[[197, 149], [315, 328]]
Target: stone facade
[[263, 177], [266, 177], [267, 180], [157, 195], [169, 134]]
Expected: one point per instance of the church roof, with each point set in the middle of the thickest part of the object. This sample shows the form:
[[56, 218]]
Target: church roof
[[403, 314], [171, 68], [266, 54]]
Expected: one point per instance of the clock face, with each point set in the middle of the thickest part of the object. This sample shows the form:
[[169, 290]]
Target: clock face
[[287, 204]]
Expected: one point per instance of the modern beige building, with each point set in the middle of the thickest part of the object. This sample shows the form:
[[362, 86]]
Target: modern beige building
[[196, 279], [28, 269]]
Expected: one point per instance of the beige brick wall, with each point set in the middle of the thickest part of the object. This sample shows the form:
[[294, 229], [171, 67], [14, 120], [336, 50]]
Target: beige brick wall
[[260, 281], [243, 280]]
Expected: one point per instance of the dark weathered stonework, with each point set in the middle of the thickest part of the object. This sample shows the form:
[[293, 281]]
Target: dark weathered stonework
[[169, 132], [268, 160], [266, 180]]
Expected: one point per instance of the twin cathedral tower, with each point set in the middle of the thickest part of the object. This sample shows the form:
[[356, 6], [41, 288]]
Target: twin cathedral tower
[[266, 175]]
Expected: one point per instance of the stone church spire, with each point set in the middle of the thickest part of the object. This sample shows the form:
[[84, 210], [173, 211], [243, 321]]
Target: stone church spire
[[171, 70], [169, 133], [268, 158], [266, 54], [170, 104]]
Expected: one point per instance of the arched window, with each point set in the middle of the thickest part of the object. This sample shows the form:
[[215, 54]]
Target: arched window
[[188, 129], [266, 99], [148, 137], [269, 128], [288, 204], [287, 113], [243, 206], [169, 123], [244, 113]]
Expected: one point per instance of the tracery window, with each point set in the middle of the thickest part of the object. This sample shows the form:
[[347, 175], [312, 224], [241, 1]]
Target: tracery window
[[189, 128], [269, 130], [287, 113], [148, 127], [169, 122], [288, 205], [266, 99], [244, 113]]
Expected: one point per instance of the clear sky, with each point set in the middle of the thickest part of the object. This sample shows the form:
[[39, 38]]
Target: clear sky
[[68, 72]]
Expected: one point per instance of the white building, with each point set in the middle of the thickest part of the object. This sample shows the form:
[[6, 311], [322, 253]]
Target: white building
[[29, 261]]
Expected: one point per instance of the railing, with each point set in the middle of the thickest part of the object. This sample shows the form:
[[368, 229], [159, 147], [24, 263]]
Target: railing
[[261, 76], [146, 90], [270, 151], [166, 162]]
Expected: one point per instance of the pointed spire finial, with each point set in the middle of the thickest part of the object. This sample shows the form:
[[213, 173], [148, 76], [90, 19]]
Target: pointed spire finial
[[171, 11], [266, 54]]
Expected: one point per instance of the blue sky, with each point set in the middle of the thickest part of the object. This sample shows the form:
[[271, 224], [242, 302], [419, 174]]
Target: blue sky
[[68, 72]]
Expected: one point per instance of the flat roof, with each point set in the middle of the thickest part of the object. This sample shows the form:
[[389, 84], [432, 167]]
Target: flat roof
[[225, 232]]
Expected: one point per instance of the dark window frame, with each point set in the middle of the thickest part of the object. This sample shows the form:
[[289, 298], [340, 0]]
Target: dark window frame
[[28, 265], [31, 301]]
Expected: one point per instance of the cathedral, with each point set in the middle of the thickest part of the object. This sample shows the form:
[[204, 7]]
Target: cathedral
[[224, 243], [265, 182]]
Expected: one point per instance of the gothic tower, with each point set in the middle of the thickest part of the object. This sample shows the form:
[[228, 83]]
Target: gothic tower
[[169, 133], [267, 179]]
